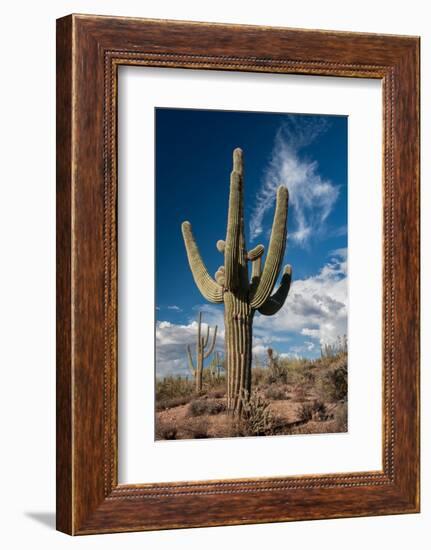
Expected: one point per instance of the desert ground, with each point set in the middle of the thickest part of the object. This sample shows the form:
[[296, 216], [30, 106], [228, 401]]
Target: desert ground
[[289, 396]]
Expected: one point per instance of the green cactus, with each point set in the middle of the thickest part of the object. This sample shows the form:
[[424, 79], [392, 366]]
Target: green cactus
[[231, 284], [202, 343], [216, 366]]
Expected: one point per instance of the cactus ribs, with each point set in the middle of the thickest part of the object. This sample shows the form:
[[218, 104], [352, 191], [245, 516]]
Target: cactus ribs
[[242, 295]]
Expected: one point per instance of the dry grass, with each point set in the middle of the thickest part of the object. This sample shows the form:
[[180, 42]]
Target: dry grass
[[198, 429], [276, 392], [170, 403], [314, 410], [294, 396], [165, 430], [200, 407]]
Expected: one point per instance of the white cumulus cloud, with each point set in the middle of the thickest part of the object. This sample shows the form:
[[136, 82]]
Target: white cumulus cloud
[[172, 340], [315, 310]]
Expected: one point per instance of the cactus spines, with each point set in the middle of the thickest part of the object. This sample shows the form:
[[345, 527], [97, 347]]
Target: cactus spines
[[255, 253], [232, 286], [209, 288], [203, 350], [276, 301]]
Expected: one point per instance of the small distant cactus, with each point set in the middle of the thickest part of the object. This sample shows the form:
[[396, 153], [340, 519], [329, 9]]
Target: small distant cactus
[[216, 366], [231, 284], [203, 350], [276, 370]]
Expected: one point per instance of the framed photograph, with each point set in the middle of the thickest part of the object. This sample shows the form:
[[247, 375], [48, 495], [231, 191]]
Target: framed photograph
[[237, 274]]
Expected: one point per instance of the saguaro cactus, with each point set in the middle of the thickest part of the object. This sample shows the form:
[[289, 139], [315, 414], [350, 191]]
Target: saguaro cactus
[[274, 365], [242, 296], [216, 366], [203, 350]]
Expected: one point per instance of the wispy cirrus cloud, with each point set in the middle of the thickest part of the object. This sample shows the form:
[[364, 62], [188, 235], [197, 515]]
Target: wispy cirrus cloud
[[311, 197], [174, 308]]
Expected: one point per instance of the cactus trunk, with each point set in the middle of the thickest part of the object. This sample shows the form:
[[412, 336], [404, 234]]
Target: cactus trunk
[[231, 284], [199, 372], [238, 322], [203, 350]]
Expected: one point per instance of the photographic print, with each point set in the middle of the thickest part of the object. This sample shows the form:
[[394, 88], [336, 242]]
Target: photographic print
[[251, 274], [215, 295]]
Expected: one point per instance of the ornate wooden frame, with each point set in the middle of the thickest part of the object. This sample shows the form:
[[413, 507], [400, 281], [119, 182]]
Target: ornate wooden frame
[[89, 51]]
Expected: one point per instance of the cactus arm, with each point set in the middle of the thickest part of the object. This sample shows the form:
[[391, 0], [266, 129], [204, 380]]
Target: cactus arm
[[211, 348], [256, 270], [207, 335], [199, 340], [190, 361], [275, 254], [255, 257], [209, 288], [235, 220], [255, 253], [275, 302]]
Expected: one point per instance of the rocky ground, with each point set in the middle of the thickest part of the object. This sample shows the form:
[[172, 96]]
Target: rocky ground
[[205, 416]]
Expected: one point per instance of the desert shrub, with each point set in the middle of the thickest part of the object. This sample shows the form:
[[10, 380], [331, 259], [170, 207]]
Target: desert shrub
[[315, 410], [259, 376], [309, 376], [165, 430], [199, 407], [217, 393], [163, 404], [277, 372], [335, 349], [275, 393], [198, 429], [338, 378], [305, 412], [211, 380], [332, 384], [298, 371], [256, 418], [299, 393], [320, 411], [283, 370], [173, 387], [340, 418]]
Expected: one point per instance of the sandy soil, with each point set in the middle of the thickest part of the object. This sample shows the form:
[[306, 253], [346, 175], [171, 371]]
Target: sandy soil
[[179, 422]]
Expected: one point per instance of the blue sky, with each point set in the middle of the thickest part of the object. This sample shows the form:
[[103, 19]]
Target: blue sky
[[308, 153]]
